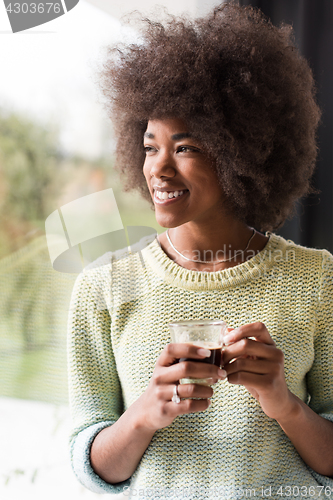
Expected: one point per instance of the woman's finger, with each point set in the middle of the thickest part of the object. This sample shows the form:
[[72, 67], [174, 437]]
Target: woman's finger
[[257, 331], [248, 347], [186, 391], [187, 369], [174, 351], [249, 380], [261, 367], [187, 406]]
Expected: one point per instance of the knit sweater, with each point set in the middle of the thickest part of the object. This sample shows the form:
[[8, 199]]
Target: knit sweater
[[118, 326]]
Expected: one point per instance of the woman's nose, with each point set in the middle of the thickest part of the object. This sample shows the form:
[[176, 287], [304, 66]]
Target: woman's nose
[[162, 165]]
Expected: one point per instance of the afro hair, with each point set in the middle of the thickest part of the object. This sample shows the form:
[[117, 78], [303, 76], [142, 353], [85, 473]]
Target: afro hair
[[243, 90]]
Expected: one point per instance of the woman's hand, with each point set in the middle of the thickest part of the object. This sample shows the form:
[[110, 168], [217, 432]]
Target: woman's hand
[[158, 410], [253, 360], [117, 450]]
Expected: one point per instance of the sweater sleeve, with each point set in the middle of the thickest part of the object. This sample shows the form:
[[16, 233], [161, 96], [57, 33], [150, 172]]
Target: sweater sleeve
[[320, 377], [94, 388]]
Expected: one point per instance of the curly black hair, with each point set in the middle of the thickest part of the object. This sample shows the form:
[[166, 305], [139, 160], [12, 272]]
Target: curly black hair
[[243, 90]]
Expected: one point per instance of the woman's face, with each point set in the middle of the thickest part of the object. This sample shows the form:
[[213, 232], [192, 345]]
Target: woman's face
[[179, 175]]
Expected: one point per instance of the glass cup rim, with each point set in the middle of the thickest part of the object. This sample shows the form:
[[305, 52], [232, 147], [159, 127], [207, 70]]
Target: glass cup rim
[[199, 322]]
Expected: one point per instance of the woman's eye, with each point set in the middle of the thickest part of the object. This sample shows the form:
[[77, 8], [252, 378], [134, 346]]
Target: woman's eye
[[188, 149], [148, 149]]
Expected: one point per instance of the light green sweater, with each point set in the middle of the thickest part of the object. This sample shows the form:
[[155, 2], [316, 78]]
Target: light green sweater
[[119, 325]]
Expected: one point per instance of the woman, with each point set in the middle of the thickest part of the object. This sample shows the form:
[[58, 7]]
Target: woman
[[220, 115]]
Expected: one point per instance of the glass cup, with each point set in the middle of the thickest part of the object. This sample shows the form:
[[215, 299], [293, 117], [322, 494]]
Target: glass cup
[[208, 334]]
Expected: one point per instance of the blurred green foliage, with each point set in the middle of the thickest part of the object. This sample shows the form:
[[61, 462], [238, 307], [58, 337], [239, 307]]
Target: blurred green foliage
[[36, 178], [28, 159]]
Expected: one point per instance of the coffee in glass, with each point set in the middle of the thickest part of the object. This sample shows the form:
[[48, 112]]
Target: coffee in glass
[[207, 334]]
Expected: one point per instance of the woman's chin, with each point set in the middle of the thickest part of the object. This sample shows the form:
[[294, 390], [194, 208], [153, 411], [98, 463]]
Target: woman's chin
[[168, 225], [166, 221]]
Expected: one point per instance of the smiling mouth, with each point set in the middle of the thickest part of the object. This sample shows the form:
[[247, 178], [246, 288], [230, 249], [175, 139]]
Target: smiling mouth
[[162, 197]]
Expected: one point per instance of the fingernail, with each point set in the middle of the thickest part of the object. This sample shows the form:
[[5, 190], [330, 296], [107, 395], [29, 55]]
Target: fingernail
[[221, 373], [204, 352], [229, 336], [211, 381]]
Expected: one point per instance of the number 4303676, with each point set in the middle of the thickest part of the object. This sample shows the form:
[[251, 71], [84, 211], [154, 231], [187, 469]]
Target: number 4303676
[[33, 8]]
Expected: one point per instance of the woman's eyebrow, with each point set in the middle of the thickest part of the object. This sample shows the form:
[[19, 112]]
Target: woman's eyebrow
[[179, 137], [174, 137]]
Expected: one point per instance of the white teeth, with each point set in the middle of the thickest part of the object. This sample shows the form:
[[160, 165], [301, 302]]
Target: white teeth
[[164, 195]]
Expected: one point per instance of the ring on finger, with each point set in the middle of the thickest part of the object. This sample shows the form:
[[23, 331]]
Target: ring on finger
[[175, 398]]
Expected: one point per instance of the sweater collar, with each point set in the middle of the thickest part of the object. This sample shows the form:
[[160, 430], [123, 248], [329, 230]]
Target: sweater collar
[[178, 276]]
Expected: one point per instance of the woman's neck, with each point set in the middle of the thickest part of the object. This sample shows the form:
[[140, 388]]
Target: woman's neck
[[230, 245]]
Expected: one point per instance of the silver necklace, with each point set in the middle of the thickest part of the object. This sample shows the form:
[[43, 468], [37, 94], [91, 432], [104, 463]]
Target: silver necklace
[[212, 261]]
